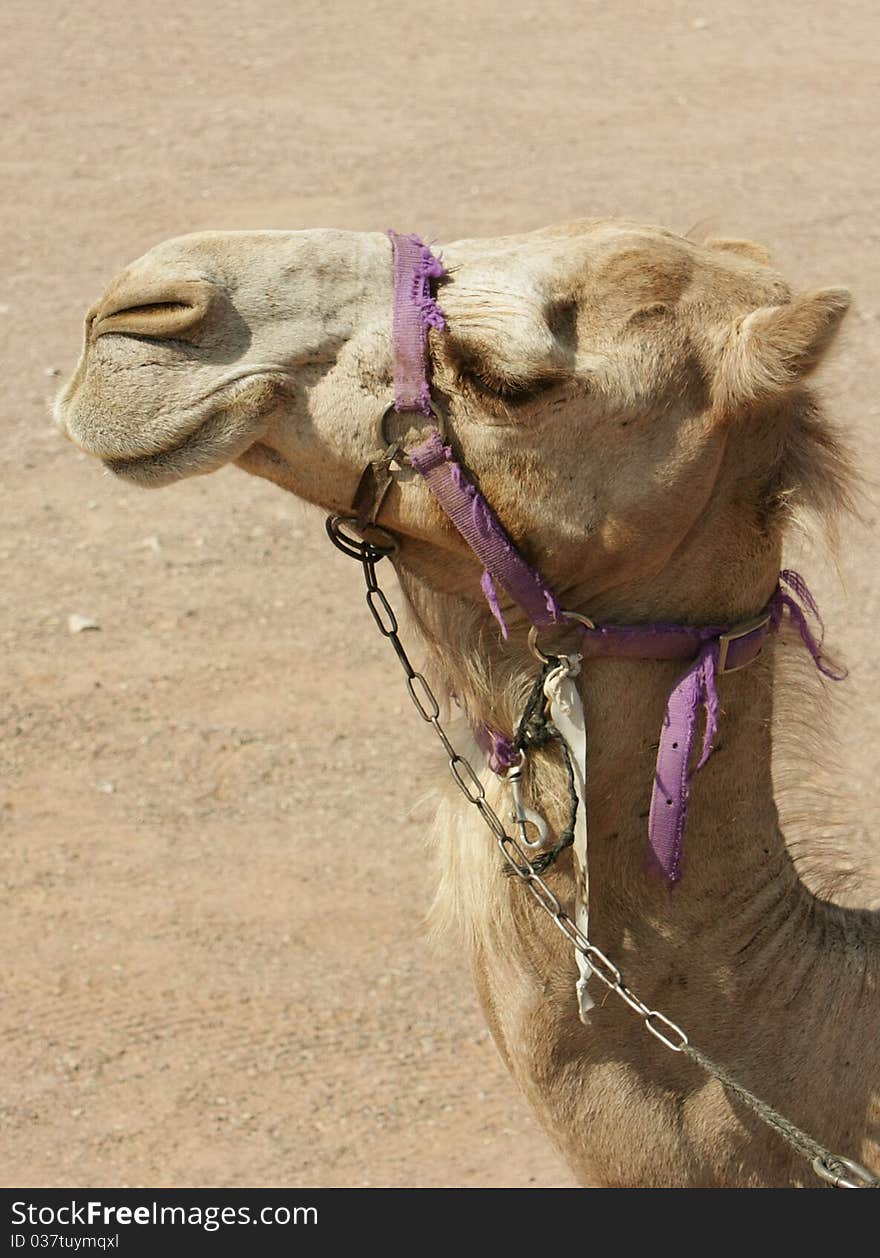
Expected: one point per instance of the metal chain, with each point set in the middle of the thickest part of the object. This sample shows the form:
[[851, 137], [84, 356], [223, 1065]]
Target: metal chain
[[839, 1171]]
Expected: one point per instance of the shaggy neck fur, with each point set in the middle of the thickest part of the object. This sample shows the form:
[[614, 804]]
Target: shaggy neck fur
[[771, 981]]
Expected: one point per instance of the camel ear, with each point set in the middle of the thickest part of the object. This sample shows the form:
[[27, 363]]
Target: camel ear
[[745, 248], [774, 348]]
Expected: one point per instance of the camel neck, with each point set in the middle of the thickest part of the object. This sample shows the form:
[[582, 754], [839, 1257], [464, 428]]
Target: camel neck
[[741, 902], [740, 944], [733, 847]]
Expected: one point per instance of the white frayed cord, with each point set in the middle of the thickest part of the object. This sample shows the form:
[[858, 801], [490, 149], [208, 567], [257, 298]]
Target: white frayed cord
[[567, 714]]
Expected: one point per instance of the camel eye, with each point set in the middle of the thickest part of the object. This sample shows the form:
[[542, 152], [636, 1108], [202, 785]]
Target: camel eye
[[501, 382], [491, 384], [487, 383], [511, 392]]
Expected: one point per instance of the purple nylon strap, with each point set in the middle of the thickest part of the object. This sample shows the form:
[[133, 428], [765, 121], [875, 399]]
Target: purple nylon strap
[[711, 649], [415, 311], [670, 796], [481, 529], [697, 689]]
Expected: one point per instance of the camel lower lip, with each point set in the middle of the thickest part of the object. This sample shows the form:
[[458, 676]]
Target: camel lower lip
[[220, 438], [121, 466], [188, 457], [143, 462]]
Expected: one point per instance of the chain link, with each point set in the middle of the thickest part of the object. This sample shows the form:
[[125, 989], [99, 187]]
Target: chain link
[[826, 1165]]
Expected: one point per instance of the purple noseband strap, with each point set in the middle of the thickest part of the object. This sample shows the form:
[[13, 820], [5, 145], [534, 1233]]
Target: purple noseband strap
[[711, 650], [415, 311]]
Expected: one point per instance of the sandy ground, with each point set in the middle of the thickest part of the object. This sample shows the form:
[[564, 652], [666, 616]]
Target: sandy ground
[[215, 969]]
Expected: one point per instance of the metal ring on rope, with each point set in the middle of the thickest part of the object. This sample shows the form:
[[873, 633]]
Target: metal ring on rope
[[533, 635]]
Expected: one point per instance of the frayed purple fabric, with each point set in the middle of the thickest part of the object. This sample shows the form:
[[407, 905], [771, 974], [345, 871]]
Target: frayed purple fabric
[[482, 530], [697, 690], [415, 311], [496, 747], [795, 603], [667, 819], [487, 585]]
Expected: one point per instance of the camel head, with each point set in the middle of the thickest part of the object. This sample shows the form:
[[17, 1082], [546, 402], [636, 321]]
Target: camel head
[[632, 403]]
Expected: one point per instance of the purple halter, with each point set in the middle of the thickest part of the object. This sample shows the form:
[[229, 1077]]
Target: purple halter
[[712, 650]]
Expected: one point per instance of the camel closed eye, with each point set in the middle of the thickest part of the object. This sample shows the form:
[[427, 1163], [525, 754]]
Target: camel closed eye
[[502, 386], [506, 391]]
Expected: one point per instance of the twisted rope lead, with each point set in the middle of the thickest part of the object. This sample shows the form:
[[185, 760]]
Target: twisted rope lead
[[825, 1163]]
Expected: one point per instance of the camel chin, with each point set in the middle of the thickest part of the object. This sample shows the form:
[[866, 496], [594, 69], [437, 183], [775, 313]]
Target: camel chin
[[217, 441]]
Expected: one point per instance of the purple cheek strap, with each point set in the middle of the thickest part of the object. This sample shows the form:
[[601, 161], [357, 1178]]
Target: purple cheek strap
[[415, 312], [481, 529], [711, 650]]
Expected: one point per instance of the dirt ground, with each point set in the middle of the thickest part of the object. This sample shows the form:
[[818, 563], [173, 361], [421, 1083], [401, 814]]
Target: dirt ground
[[215, 968]]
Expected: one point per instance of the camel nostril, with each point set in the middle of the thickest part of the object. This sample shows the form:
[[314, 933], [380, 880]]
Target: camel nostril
[[170, 311]]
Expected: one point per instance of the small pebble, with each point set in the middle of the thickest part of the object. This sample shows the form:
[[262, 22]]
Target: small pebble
[[79, 624], [106, 788], [53, 371]]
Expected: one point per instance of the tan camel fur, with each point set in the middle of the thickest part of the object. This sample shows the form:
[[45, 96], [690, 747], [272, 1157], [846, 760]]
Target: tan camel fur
[[634, 406]]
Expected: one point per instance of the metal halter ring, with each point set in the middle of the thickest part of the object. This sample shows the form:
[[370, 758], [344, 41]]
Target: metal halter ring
[[391, 409], [533, 634], [371, 546]]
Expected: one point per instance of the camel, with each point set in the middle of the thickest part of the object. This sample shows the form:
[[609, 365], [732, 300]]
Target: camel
[[636, 407]]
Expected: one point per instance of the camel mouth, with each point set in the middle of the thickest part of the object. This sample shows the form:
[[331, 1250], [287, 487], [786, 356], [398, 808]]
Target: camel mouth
[[217, 436], [83, 412], [221, 437]]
